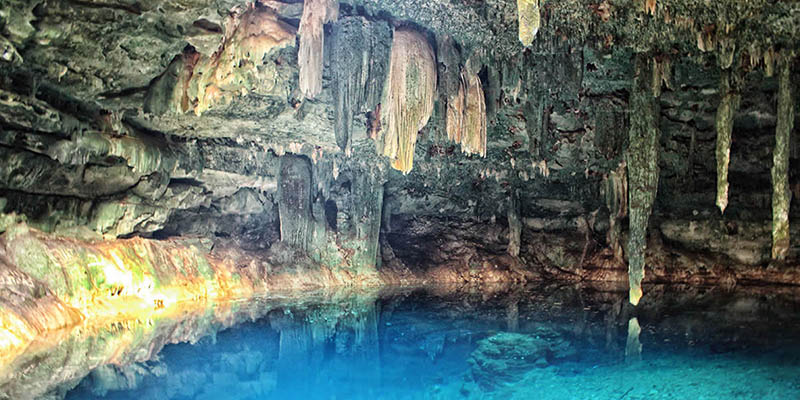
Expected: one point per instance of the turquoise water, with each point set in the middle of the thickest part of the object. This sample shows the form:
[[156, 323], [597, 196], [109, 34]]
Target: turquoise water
[[537, 343]]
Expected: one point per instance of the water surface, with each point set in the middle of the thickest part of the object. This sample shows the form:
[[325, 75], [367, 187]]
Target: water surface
[[545, 342]]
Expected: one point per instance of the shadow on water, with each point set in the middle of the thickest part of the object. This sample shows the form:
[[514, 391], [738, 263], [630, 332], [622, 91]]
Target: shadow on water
[[549, 341]]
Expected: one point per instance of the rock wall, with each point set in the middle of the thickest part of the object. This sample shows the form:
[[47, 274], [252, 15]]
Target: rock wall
[[145, 124]]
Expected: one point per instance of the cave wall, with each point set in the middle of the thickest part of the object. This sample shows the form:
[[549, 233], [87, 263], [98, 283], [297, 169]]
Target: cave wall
[[123, 120]]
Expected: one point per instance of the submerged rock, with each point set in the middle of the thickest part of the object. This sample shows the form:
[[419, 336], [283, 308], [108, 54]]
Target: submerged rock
[[506, 357]]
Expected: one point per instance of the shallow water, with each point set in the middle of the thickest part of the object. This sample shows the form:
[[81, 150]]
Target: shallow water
[[556, 342]]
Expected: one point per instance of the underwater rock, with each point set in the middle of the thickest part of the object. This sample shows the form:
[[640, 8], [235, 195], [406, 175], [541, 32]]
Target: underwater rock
[[505, 357]]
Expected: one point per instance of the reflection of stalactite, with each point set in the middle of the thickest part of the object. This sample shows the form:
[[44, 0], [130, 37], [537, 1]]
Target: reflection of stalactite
[[615, 192], [408, 96], [728, 105], [781, 195], [512, 316], [633, 346], [642, 160], [316, 13], [529, 19]]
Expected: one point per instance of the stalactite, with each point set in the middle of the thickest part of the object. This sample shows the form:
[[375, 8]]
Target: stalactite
[[316, 13], [729, 103], [529, 19], [465, 109], [514, 225], [256, 33], [168, 93], [359, 62], [642, 160], [473, 139], [196, 82], [769, 62], [451, 86], [615, 193], [408, 96], [456, 109], [781, 196]]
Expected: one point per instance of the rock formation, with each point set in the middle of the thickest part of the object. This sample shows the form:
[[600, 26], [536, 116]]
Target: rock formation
[[157, 151]]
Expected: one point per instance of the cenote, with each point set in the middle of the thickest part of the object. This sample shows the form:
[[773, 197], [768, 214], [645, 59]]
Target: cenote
[[545, 342], [399, 199]]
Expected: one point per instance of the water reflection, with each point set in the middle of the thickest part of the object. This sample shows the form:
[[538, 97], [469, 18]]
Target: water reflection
[[423, 343], [633, 348]]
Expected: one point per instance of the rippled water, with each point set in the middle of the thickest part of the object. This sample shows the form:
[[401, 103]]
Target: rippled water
[[533, 343]]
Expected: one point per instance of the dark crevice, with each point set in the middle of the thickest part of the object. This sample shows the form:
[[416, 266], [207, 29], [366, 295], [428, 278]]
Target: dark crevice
[[115, 94], [134, 8]]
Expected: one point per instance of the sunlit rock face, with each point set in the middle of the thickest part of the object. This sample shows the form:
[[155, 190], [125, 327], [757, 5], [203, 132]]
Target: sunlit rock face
[[392, 142]]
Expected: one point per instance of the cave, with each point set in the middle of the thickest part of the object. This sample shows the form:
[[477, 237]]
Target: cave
[[440, 199]]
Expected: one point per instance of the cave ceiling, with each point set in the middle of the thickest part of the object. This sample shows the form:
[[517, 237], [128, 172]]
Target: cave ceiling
[[108, 54]]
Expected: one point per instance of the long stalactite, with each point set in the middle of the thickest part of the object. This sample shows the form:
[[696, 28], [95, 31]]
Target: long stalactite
[[408, 96], [643, 171], [781, 195], [465, 103], [316, 13], [729, 103], [473, 139], [359, 63]]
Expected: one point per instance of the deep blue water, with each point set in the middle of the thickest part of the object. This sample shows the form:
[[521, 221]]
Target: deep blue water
[[537, 343]]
